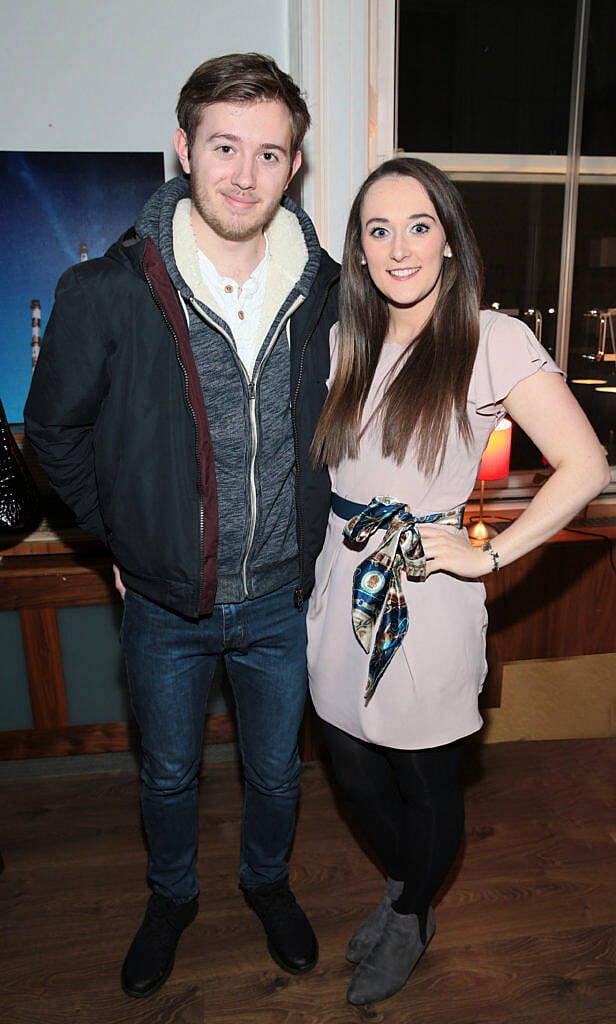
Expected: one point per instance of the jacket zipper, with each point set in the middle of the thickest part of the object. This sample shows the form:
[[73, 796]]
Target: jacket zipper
[[252, 417], [178, 356], [252, 409], [254, 439]]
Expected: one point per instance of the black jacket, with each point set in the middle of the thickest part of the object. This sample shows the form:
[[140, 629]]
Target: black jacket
[[117, 417]]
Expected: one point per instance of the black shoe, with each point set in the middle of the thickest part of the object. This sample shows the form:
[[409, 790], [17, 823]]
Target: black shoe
[[149, 961], [290, 939]]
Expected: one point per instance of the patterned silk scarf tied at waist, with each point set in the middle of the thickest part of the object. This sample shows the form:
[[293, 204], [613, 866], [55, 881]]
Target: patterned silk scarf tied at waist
[[377, 585]]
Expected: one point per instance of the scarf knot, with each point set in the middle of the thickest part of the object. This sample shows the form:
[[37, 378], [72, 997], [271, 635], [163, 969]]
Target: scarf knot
[[377, 583]]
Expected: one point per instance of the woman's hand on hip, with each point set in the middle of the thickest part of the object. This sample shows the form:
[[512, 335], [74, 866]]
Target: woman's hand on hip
[[447, 551]]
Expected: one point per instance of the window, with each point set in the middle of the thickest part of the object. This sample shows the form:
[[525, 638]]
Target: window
[[516, 104]]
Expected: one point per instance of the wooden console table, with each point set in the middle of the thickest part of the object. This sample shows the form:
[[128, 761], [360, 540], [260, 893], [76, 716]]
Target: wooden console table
[[558, 601]]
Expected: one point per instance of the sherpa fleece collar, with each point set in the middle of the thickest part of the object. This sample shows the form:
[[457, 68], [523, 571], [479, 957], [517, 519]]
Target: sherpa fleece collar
[[288, 259]]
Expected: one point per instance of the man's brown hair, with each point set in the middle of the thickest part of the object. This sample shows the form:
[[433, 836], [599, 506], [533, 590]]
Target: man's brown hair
[[241, 78]]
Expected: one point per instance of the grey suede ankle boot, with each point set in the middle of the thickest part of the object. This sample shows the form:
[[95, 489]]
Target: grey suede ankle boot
[[390, 961], [370, 929]]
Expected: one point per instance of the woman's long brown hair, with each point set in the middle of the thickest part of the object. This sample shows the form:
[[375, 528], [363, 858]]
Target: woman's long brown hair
[[432, 384]]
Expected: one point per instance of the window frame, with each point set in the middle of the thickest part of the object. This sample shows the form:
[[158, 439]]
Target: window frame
[[571, 170]]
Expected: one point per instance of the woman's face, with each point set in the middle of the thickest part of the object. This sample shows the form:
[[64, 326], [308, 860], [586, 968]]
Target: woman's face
[[403, 242]]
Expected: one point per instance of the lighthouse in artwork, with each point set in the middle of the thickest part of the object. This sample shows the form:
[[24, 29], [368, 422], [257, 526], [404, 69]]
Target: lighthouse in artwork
[[83, 252], [35, 309]]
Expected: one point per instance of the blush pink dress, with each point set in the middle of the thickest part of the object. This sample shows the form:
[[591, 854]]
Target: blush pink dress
[[428, 694]]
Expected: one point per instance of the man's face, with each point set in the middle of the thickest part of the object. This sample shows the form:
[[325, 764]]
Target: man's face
[[239, 166]]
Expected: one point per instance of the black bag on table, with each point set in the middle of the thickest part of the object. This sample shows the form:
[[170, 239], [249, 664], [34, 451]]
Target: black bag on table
[[19, 503]]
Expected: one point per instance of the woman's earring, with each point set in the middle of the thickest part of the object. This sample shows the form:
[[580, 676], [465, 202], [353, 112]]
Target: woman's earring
[[363, 261], [447, 253]]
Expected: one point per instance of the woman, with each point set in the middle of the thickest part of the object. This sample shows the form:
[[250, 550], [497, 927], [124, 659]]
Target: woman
[[397, 621]]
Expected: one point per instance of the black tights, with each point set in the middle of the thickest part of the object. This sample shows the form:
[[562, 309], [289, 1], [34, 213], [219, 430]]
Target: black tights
[[410, 806]]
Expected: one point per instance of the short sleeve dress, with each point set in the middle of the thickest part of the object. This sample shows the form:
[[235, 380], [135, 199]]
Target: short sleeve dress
[[428, 694]]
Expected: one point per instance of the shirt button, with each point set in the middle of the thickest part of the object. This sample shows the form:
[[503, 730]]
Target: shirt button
[[228, 288], [241, 314]]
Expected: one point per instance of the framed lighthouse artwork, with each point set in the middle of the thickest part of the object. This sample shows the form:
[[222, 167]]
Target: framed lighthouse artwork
[[58, 209]]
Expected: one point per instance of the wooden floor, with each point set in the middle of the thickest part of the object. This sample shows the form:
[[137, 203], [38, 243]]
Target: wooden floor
[[526, 929]]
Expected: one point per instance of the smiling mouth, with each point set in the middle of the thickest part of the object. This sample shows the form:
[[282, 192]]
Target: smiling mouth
[[403, 273], [239, 202]]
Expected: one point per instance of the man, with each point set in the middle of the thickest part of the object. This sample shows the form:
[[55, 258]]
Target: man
[[173, 407]]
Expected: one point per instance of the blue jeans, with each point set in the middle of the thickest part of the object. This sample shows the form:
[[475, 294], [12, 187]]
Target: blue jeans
[[170, 663]]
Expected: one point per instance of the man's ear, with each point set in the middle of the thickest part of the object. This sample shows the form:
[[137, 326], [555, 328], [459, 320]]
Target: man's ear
[[295, 166], [181, 147]]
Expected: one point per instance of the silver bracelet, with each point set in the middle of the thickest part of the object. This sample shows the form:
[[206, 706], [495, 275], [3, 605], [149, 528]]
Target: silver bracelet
[[488, 547]]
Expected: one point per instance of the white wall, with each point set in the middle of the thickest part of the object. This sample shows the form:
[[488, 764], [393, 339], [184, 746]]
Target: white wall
[[330, 56], [104, 75]]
